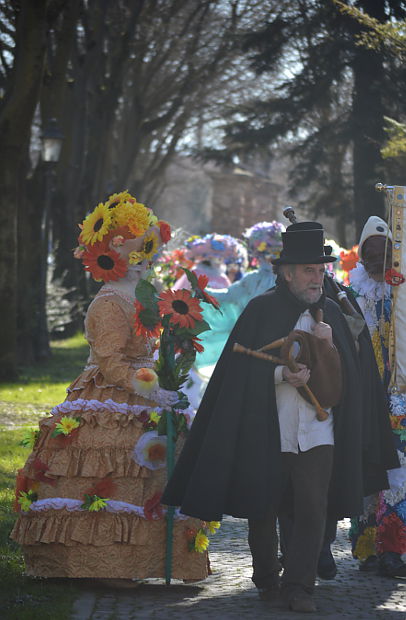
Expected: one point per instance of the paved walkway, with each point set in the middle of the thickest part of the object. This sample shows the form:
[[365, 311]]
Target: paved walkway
[[229, 594]]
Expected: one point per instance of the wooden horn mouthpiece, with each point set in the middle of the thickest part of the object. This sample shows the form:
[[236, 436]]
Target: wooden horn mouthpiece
[[273, 345], [239, 348]]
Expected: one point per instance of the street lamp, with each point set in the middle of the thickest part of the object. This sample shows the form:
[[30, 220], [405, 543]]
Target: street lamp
[[52, 138]]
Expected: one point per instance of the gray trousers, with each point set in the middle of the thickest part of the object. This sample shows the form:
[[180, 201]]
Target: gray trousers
[[309, 476]]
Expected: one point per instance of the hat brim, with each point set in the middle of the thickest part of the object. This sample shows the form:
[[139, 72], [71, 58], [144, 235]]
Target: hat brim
[[308, 260]]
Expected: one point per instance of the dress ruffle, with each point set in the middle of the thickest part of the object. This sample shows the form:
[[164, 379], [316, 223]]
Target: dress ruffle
[[126, 539]]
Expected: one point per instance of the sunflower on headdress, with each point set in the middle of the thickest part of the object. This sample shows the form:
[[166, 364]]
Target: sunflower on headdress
[[152, 217], [115, 199], [136, 257], [96, 225], [183, 309], [103, 263], [151, 245], [133, 215]]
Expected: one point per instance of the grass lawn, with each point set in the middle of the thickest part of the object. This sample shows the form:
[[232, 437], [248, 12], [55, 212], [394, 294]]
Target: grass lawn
[[44, 384], [41, 387]]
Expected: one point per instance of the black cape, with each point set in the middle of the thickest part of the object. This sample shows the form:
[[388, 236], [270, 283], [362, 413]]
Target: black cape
[[230, 463]]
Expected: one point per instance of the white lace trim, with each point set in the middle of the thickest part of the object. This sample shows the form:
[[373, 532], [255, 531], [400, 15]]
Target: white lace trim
[[110, 290], [397, 481], [366, 286], [81, 404], [74, 505]]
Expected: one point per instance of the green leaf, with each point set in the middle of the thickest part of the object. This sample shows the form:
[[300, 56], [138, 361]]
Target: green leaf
[[200, 326], [148, 317], [88, 501], [162, 424], [147, 295], [191, 277]]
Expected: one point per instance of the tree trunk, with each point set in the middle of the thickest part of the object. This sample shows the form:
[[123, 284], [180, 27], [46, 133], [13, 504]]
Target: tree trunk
[[15, 124], [368, 123]]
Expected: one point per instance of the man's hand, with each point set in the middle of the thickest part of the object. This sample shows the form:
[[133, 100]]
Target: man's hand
[[296, 379], [323, 331]]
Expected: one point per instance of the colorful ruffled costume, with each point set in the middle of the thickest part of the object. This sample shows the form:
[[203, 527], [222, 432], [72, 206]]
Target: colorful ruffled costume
[[382, 527], [90, 494], [264, 241]]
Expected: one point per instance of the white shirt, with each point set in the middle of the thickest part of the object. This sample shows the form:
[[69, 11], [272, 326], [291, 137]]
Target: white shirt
[[299, 426]]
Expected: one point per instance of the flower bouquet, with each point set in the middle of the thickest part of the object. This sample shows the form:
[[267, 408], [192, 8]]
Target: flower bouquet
[[176, 318]]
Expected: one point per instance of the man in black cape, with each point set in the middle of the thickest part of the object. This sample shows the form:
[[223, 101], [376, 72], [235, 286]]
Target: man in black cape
[[245, 453]]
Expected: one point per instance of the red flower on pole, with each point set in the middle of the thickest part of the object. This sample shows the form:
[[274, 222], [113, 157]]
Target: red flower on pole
[[202, 282], [393, 277], [146, 324], [183, 309]]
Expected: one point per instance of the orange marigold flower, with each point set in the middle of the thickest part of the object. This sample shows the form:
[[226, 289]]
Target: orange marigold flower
[[103, 263], [184, 310]]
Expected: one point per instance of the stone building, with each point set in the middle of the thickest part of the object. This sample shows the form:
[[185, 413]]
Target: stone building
[[202, 198]]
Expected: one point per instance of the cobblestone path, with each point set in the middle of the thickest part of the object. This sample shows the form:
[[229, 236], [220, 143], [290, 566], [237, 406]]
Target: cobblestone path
[[229, 594]]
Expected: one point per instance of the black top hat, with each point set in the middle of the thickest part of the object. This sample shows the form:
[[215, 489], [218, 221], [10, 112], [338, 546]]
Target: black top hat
[[303, 244]]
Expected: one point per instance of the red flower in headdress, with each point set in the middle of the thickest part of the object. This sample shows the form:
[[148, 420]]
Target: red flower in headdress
[[103, 263], [164, 230]]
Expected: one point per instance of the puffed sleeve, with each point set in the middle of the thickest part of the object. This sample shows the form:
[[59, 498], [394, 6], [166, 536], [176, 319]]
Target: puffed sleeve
[[109, 332]]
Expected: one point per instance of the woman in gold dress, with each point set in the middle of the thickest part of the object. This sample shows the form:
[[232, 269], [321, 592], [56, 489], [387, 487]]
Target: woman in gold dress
[[89, 492]]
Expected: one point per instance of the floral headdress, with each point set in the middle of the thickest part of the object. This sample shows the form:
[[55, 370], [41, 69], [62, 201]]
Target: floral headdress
[[264, 240], [223, 247], [108, 226]]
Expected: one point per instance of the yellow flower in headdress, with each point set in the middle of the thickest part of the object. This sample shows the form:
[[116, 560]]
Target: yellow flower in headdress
[[151, 245], [201, 542], [96, 225], [136, 257], [115, 199], [133, 215], [152, 218]]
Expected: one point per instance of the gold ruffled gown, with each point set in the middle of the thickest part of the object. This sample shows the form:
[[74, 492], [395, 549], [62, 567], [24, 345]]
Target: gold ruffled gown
[[127, 540]]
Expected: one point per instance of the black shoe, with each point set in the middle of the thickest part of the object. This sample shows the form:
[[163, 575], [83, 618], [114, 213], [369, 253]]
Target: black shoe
[[326, 567], [390, 564], [297, 599], [370, 565], [269, 594]]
